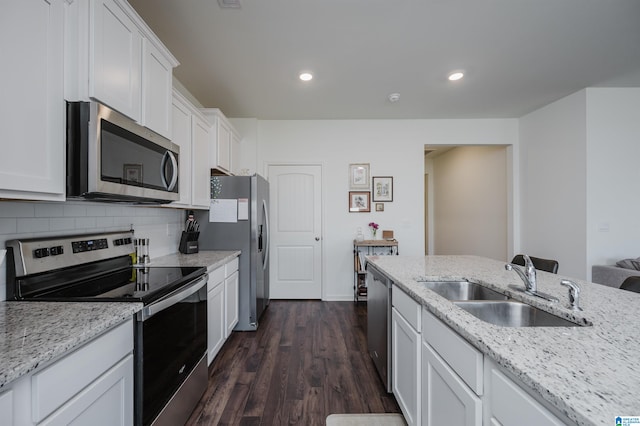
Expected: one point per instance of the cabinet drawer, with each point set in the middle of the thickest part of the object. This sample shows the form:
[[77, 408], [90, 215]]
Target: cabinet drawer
[[407, 307], [231, 266], [216, 277], [463, 358], [57, 383], [510, 404], [6, 407]]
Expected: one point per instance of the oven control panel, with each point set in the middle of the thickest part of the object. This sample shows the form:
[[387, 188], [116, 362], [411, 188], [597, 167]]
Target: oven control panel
[[36, 255], [89, 245]]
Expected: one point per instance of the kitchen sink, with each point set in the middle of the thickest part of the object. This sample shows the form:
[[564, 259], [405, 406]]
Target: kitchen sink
[[513, 314], [463, 290]]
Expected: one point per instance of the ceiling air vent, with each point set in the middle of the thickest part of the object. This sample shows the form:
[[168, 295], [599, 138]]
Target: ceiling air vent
[[230, 4]]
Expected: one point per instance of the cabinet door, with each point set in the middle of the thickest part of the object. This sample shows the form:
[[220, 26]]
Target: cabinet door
[[156, 91], [215, 321], [231, 302], [200, 168], [32, 113], [6, 407], [507, 403], [234, 154], [181, 136], [446, 399], [115, 58], [223, 156], [406, 367], [106, 401]]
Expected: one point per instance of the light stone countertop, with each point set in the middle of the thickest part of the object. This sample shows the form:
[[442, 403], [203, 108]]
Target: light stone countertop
[[33, 334], [591, 374], [211, 259]]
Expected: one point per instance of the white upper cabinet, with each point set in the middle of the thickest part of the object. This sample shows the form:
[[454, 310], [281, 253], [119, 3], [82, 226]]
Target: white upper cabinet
[[201, 172], [115, 55], [32, 113], [157, 74], [181, 136], [192, 132], [225, 137], [112, 56]]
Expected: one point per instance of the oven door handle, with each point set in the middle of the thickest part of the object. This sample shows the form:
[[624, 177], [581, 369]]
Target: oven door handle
[[193, 287]]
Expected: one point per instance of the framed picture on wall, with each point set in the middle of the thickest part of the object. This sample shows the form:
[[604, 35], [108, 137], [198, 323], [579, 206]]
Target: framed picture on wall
[[382, 188], [359, 176], [359, 201], [379, 207]]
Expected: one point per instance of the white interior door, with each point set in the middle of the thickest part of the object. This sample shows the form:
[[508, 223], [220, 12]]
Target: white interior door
[[296, 243]]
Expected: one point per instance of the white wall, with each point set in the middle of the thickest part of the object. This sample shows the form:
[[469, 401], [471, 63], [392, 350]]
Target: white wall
[[553, 184], [613, 175], [470, 201], [393, 148], [32, 219]]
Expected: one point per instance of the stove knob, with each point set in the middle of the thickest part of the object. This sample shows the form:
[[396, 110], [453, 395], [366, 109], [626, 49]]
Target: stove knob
[[54, 251], [40, 253]]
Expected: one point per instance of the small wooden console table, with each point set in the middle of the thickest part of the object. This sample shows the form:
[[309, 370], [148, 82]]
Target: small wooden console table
[[362, 249]]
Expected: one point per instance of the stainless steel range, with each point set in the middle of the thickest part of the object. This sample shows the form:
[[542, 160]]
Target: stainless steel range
[[170, 331]]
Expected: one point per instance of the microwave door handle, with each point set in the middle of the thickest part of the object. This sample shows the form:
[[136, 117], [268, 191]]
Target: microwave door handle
[[174, 166]]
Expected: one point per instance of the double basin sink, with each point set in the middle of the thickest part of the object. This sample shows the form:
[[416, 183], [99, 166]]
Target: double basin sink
[[494, 307]]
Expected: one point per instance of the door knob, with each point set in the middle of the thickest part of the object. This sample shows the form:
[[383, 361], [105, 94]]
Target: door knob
[[317, 238]]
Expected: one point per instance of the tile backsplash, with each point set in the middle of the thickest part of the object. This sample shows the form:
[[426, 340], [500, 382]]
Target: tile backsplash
[[37, 219]]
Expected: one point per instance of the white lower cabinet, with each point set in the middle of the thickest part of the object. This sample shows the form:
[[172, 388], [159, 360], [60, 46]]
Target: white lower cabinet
[[222, 306], [507, 403], [215, 318], [6, 407], [405, 355], [92, 385], [446, 399], [107, 401], [231, 292]]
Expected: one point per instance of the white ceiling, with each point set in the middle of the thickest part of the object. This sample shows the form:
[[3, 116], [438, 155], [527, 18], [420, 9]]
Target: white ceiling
[[518, 55]]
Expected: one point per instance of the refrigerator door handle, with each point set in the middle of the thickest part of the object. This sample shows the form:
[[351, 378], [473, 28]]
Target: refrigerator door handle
[[265, 257]]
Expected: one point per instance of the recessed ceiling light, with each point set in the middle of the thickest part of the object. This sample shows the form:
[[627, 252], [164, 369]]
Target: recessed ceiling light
[[456, 75], [305, 76], [394, 97], [230, 4]]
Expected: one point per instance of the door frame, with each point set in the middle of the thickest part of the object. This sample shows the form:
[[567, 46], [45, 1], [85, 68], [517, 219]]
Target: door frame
[[321, 164]]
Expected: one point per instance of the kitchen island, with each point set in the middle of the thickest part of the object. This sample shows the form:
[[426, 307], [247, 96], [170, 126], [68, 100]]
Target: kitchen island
[[590, 374]]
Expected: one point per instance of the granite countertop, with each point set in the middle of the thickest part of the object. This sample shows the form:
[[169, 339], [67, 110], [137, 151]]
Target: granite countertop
[[34, 333], [211, 259], [591, 374]]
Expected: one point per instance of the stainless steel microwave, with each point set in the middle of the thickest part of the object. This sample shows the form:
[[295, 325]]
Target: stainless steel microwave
[[112, 158]]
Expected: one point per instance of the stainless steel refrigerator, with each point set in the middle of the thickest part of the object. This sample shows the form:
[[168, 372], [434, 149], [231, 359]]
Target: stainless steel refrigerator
[[239, 220]]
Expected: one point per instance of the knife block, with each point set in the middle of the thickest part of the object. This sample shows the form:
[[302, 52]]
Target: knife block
[[189, 242]]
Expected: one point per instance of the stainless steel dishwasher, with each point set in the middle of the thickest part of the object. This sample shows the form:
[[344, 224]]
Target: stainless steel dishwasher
[[379, 323]]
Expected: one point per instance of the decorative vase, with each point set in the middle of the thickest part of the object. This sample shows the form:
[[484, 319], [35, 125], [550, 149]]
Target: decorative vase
[[373, 233]]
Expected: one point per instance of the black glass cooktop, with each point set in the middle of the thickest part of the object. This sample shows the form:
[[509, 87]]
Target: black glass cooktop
[[124, 285]]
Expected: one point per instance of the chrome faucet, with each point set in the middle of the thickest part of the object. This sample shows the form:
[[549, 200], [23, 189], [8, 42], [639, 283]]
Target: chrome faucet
[[574, 294], [529, 278]]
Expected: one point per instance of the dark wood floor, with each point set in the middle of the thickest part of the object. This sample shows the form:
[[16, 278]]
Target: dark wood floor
[[307, 360]]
